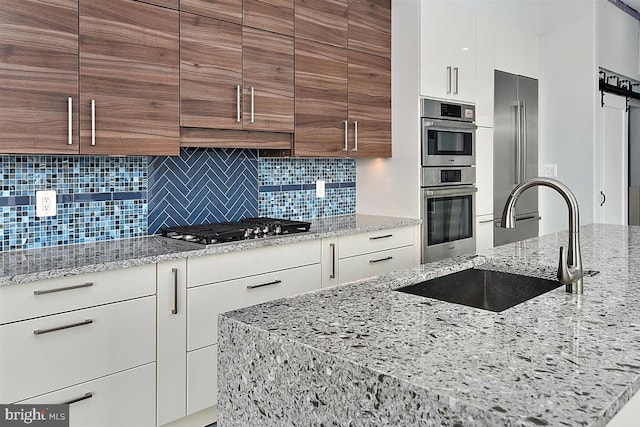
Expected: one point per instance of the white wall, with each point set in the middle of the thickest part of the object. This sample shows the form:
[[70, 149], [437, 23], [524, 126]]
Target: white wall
[[618, 35], [392, 186], [567, 107]]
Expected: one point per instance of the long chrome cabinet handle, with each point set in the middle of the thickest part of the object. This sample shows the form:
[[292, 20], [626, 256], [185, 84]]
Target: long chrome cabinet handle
[[252, 107], [373, 261], [66, 288], [523, 123], [70, 119], [238, 92], [455, 72], [93, 122], [275, 282], [449, 80], [355, 136], [174, 271], [381, 237], [518, 142], [332, 246], [346, 136], [86, 396], [60, 328]]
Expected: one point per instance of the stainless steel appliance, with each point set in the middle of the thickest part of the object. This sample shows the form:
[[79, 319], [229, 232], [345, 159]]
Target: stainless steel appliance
[[448, 180], [515, 153], [448, 133], [224, 232]]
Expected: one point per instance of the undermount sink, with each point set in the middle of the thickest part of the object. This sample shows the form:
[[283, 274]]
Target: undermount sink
[[485, 289]]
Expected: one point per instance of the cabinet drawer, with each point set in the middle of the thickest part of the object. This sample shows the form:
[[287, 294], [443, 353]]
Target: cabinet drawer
[[374, 241], [206, 302], [202, 379], [107, 339], [368, 265], [221, 267], [123, 399], [29, 300]]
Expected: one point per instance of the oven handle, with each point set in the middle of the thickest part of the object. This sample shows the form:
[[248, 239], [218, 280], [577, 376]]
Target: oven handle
[[449, 125], [450, 191]]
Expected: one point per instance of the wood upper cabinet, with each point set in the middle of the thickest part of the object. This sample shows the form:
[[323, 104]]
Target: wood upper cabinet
[[322, 21], [321, 99], [171, 4], [271, 15], [369, 105], [267, 65], [235, 77], [210, 73], [129, 85], [370, 27], [39, 75]]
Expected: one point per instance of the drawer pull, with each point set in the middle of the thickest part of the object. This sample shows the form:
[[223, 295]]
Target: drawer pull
[[275, 282], [332, 246], [66, 288], [174, 310], [486, 221], [381, 237], [86, 396], [59, 328], [372, 261]]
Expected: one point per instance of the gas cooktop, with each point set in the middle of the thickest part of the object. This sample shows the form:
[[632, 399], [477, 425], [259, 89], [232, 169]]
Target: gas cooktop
[[248, 228]]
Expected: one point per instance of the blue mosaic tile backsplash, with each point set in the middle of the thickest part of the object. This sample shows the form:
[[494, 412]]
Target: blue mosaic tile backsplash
[[101, 198]]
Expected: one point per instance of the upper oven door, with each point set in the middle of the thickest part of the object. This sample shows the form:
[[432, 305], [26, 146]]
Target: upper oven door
[[448, 143]]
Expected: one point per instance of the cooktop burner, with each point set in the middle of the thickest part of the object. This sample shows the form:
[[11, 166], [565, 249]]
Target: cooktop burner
[[248, 228]]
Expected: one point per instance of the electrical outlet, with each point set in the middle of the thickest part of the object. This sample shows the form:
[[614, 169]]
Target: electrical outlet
[[551, 170], [46, 203], [319, 188]]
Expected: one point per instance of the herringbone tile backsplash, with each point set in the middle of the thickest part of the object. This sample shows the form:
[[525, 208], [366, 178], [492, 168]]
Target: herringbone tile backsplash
[[202, 186]]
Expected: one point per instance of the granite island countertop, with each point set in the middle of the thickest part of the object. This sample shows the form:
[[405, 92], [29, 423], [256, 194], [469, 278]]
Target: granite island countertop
[[364, 354], [24, 266]]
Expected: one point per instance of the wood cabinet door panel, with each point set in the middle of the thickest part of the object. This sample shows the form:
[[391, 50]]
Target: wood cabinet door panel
[[270, 15], [370, 26], [39, 72], [129, 66], [210, 72], [267, 68], [322, 21], [227, 10], [369, 105], [321, 99], [171, 4]]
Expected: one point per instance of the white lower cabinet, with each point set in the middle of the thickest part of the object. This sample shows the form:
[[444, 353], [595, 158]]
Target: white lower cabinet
[[202, 378], [484, 232], [356, 256], [126, 398]]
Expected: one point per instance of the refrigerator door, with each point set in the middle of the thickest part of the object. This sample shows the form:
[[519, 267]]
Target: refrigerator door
[[515, 152]]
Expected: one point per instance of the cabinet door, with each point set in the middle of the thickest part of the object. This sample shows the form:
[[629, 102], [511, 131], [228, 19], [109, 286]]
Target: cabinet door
[[129, 74], [271, 15], [39, 74], [322, 21], [267, 65], [210, 73], [227, 10], [484, 171], [435, 57], [369, 105], [370, 26], [484, 232], [171, 4], [171, 340], [321, 99], [464, 56]]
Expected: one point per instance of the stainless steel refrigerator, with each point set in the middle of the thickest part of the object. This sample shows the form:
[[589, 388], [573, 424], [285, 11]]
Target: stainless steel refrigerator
[[515, 153]]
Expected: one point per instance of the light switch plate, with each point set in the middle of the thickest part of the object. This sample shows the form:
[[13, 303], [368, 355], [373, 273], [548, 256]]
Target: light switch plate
[[46, 203], [551, 170], [319, 188]]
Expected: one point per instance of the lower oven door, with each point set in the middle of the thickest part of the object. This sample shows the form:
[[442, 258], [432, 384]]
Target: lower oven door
[[448, 218]]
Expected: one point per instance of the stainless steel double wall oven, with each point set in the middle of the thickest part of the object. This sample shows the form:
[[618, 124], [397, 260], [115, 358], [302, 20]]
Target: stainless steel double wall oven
[[448, 179]]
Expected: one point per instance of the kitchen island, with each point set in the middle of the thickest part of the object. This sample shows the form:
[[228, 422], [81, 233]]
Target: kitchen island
[[365, 354]]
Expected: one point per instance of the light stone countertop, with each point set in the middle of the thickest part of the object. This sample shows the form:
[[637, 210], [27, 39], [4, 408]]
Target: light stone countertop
[[363, 354], [47, 263]]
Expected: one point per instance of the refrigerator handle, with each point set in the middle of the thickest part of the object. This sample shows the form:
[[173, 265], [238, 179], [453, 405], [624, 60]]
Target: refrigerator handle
[[518, 131], [523, 150]]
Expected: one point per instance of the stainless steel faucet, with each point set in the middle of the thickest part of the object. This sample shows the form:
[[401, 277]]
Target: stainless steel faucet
[[570, 262]]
